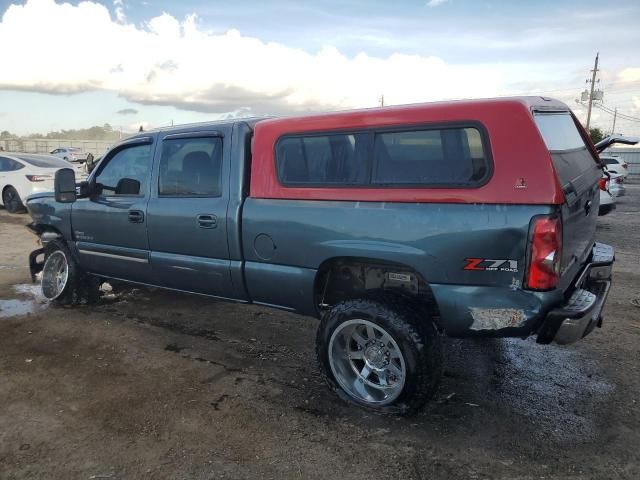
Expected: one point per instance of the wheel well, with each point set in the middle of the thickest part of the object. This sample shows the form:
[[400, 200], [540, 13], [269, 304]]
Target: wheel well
[[344, 278]]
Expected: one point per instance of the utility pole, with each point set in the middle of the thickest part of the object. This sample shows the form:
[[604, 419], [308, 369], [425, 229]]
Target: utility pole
[[615, 114], [593, 85], [381, 99]]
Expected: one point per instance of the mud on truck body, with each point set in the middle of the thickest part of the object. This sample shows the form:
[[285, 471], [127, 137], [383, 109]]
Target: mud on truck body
[[394, 226]]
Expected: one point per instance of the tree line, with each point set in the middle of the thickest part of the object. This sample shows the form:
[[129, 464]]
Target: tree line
[[104, 132]]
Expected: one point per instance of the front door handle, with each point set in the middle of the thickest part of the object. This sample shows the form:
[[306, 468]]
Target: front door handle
[[207, 220], [136, 216]]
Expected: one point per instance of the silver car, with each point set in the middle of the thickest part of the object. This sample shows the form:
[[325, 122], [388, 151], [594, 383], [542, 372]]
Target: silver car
[[70, 154]]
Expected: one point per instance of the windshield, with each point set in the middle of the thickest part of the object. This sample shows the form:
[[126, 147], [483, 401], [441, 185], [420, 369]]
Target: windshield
[[44, 161], [73, 149]]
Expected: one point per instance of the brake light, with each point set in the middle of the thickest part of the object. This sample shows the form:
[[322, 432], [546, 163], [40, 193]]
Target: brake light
[[602, 184], [546, 252], [38, 178]]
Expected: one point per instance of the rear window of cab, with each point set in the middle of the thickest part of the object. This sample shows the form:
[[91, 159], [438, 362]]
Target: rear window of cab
[[447, 156]]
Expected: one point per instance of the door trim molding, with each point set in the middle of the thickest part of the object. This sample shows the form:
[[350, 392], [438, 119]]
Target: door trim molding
[[112, 255]]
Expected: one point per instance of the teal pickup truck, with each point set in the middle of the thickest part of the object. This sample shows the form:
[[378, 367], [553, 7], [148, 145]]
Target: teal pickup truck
[[394, 226]]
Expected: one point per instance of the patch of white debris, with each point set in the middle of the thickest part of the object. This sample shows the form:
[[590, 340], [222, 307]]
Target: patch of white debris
[[496, 318]]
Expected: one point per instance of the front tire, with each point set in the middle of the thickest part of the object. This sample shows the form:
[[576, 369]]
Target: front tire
[[379, 354], [12, 201], [63, 282]]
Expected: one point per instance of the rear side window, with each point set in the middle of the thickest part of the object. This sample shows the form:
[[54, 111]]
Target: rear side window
[[452, 156], [559, 131], [340, 159], [9, 165], [191, 167], [449, 157], [609, 161], [574, 163]]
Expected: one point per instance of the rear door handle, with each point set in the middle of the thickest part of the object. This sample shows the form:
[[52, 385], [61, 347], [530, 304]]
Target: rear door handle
[[136, 216], [207, 220]]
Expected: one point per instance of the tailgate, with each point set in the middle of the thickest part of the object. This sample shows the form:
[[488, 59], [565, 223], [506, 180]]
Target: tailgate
[[578, 173]]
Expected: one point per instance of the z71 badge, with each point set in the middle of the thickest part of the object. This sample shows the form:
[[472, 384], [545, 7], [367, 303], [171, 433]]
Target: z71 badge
[[491, 265]]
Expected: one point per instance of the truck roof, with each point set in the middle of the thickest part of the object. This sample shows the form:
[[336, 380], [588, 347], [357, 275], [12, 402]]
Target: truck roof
[[251, 121]]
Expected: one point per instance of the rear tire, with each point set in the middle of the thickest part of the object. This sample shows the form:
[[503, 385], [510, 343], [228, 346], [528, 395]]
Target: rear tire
[[12, 201], [379, 354], [63, 282]]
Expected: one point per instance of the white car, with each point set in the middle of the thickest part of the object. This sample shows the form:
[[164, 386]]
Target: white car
[[70, 154], [616, 165], [607, 200], [23, 174]]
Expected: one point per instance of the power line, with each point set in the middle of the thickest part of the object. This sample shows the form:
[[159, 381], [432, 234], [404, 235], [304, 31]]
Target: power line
[[610, 110], [619, 115]]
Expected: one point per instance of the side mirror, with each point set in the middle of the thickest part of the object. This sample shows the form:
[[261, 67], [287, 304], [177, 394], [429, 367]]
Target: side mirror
[[127, 186], [84, 189], [65, 185]]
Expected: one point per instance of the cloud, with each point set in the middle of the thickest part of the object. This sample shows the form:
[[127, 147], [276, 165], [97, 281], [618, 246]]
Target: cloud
[[629, 75], [127, 111], [436, 3], [167, 61]]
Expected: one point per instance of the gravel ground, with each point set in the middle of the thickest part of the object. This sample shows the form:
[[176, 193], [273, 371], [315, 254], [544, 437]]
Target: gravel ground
[[150, 384]]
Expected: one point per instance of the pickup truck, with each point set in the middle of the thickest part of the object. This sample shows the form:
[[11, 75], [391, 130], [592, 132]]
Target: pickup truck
[[393, 225]]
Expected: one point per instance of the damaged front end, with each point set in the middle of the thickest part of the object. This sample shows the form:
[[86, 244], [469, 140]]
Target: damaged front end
[[37, 257]]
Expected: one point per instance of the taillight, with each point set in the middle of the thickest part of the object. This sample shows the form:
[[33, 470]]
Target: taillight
[[625, 166], [38, 178], [546, 252], [602, 183]]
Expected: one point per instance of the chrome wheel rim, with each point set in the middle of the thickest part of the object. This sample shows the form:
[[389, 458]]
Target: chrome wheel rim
[[367, 362], [55, 275]]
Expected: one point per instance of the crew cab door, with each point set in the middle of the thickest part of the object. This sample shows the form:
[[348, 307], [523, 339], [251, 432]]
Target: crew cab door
[[110, 226], [187, 213]]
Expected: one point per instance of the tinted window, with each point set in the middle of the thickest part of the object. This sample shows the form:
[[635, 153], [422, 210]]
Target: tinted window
[[46, 162], [448, 156], [9, 165], [127, 172], [191, 166], [609, 161], [559, 131], [573, 162], [324, 159], [451, 156]]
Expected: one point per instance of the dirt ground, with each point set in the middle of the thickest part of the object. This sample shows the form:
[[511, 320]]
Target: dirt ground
[[155, 385]]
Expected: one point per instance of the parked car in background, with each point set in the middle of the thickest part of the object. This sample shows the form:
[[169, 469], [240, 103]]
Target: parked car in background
[[616, 184], [607, 200], [616, 165], [70, 154], [23, 174]]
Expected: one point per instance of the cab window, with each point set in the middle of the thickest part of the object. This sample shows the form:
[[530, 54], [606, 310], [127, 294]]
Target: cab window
[[127, 172], [191, 167]]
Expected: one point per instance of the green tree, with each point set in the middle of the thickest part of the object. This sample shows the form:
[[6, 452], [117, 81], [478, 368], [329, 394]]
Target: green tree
[[596, 134], [5, 134]]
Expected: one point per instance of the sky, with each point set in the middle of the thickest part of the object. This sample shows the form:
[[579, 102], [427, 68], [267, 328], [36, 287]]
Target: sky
[[76, 64]]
